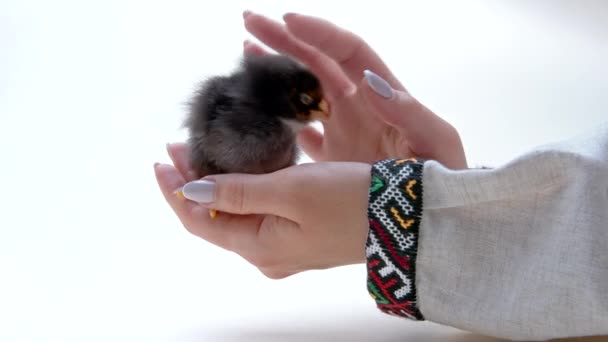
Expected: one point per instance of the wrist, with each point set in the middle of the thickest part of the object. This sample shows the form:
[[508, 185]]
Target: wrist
[[394, 213], [361, 173]]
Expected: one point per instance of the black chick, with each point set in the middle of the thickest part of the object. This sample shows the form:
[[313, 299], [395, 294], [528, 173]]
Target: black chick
[[247, 122]]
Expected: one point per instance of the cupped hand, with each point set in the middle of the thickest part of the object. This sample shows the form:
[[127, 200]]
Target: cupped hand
[[310, 216], [373, 115]]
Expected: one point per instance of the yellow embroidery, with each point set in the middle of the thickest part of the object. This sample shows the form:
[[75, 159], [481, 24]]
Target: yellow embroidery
[[401, 161], [409, 190], [404, 224]]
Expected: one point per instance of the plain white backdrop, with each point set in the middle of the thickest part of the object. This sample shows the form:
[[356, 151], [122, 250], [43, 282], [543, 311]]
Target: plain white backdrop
[[90, 92]]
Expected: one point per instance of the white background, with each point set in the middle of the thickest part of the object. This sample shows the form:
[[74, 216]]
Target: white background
[[90, 92]]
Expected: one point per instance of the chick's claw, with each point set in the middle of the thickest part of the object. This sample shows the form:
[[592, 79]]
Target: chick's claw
[[180, 194]]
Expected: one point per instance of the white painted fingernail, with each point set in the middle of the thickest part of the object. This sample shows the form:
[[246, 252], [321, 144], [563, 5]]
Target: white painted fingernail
[[378, 84], [201, 191], [168, 148]]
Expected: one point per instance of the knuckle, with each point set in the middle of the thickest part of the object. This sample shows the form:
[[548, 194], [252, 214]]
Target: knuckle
[[189, 226], [274, 274], [263, 260], [190, 229], [233, 195]]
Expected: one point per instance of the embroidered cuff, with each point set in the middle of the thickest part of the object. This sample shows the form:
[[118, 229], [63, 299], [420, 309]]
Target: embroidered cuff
[[394, 212]]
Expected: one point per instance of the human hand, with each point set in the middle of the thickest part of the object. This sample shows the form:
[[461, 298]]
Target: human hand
[[310, 216], [365, 125]]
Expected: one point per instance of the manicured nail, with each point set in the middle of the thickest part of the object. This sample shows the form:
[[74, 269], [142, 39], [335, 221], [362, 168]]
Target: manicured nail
[[286, 16], [167, 146], [246, 13], [378, 84], [201, 191]]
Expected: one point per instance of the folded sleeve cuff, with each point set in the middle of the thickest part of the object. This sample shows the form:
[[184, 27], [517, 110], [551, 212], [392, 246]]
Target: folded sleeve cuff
[[394, 213]]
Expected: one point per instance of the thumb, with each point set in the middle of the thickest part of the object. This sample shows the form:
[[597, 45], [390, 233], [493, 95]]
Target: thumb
[[403, 112], [240, 194]]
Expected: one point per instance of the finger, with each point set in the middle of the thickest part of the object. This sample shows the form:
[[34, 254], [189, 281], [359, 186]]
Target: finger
[[403, 112], [251, 48], [311, 142], [226, 231], [180, 156], [237, 233], [169, 180], [335, 83], [241, 194], [351, 52]]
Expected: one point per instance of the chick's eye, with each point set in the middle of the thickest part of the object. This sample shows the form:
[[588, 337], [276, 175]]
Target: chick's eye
[[306, 99]]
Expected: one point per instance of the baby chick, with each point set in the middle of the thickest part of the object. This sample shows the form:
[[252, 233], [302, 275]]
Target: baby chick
[[247, 122]]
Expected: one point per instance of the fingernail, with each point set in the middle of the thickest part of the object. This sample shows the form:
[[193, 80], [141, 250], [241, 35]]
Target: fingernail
[[378, 84], [246, 13], [167, 147], [286, 16], [156, 164], [201, 191]]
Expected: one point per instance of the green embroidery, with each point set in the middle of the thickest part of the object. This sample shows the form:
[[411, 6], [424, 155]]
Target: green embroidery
[[374, 291], [377, 184]]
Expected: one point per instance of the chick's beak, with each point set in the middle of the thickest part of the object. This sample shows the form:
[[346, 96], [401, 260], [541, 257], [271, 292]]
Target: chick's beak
[[323, 113]]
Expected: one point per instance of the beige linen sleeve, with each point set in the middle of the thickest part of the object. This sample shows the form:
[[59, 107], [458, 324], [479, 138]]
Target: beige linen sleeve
[[517, 252]]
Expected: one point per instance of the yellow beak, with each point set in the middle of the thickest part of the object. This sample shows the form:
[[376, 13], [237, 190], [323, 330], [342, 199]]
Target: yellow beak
[[323, 113]]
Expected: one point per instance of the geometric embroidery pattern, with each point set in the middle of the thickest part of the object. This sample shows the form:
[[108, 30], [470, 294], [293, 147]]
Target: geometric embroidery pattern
[[394, 213]]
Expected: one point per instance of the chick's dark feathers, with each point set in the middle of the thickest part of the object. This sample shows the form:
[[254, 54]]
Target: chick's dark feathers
[[238, 123]]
